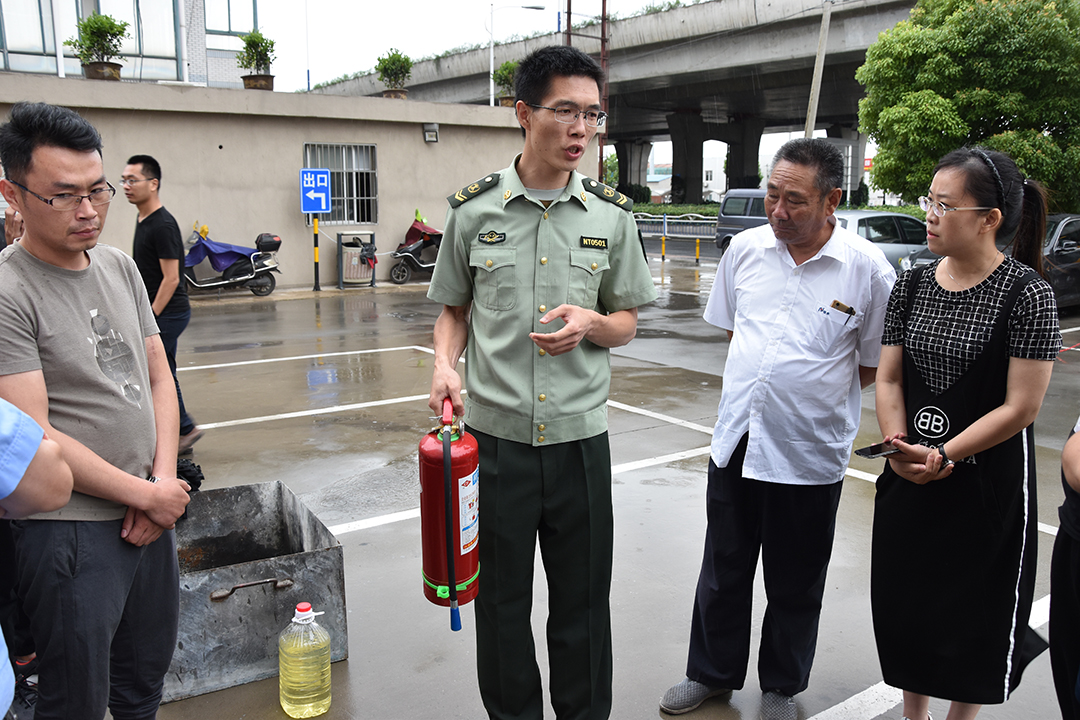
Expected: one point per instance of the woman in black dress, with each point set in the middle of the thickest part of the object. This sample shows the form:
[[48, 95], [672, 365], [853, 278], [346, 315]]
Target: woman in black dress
[[969, 344]]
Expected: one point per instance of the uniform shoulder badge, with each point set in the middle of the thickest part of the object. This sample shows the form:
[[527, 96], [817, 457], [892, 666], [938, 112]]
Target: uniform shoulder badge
[[470, 191], [608, 193]]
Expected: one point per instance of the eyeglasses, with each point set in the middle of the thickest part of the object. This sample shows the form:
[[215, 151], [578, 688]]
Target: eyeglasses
[[64, 203], [568, 114], [128, 182], [940, 208]]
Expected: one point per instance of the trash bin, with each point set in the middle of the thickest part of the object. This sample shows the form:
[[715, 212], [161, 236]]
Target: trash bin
[[355, 260], [248, 554]]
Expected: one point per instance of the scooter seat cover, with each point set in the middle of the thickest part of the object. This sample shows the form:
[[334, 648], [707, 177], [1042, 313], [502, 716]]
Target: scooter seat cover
[[222, 255]]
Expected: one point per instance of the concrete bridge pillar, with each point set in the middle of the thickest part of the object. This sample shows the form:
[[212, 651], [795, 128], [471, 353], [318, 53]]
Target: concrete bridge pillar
[[633, 161], [687, 146], [743, 139], [853, 135]]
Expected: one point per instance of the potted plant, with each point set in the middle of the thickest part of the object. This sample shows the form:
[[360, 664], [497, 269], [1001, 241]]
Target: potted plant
[[504, 79], [97, 43], [256, 56], [394, 70]]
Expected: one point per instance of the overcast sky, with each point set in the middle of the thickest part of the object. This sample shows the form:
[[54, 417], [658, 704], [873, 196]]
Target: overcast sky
[[332, 38], [346, 36]]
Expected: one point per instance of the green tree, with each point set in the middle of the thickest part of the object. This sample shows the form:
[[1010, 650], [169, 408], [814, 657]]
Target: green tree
[[1001, 73], [611, 170]]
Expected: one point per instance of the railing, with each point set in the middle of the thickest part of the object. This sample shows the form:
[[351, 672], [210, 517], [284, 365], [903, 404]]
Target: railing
[[690, 226]]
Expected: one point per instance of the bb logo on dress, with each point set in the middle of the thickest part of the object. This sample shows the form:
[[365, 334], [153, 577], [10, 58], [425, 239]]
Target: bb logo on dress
[[931, 422]]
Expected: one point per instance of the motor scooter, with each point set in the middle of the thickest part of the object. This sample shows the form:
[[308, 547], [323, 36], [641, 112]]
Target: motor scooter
[[239, 266], [418, 238]]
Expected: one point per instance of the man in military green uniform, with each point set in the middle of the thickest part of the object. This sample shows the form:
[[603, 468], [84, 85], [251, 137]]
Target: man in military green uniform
[[539, 273]]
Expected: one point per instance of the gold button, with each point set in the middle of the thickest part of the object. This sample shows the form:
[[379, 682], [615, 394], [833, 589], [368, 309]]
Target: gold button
[[543, 352], [543, 261], [545, 216], [489, 263], [540, 427], [594, 266], [540, 439], [543, 308], [543, 397]]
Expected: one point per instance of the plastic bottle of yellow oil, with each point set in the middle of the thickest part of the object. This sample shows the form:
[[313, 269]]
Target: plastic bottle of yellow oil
[[304, 665]]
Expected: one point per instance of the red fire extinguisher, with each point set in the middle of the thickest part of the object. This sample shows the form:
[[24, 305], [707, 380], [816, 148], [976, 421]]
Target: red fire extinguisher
[[450, 515]]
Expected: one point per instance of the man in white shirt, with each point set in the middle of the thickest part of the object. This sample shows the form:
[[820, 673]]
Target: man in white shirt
[[803, 303]]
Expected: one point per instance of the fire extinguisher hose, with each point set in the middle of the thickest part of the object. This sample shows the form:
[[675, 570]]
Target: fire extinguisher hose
[[451, 541]]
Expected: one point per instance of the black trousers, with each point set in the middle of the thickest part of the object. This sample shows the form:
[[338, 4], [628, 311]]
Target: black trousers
[[103, 615], [560, 494], [1065, 622], [13, 620], [792, 527]]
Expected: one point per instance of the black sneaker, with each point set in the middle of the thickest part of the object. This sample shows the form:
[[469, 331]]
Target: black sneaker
[[22, 707]]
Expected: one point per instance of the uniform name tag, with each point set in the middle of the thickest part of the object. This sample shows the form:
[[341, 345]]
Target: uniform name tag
[[595, 243], [491, 237]]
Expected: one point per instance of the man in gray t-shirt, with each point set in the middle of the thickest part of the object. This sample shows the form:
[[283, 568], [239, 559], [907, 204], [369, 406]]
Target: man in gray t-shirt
[[82, 356]]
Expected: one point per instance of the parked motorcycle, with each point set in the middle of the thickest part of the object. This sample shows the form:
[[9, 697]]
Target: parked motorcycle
[[239, 266], [418, 238]]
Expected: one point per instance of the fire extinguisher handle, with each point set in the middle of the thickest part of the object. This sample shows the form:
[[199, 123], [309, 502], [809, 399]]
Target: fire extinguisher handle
[[447, 411], [455, 619]]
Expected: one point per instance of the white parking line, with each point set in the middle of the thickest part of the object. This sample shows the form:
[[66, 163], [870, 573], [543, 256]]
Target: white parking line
[[310, 413], [366, 523], [870, 703], [657, 416], [264, 361]]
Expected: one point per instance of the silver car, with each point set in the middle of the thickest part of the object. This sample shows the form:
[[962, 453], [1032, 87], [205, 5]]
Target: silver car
[[897, 235]]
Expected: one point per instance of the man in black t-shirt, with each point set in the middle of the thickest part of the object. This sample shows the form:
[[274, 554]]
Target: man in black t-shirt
[[159, 254]]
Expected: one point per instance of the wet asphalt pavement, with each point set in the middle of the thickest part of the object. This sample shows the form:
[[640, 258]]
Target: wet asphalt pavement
[[327, 393]]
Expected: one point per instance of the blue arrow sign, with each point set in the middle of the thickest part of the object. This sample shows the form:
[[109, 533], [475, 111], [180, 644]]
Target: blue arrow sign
[[314, 190]]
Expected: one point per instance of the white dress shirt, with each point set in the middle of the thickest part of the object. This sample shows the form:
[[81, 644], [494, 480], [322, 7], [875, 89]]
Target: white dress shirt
[[800, 334]]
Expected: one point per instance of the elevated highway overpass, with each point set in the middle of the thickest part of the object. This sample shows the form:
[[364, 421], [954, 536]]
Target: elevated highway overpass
[[725, 70]]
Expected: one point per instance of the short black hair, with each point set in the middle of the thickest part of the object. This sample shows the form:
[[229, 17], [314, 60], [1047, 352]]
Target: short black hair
[[150, 167], [532, 80], [819, 154], [34, 125]]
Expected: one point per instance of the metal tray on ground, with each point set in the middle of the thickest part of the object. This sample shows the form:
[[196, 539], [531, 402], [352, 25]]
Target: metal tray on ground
[[248, 554]]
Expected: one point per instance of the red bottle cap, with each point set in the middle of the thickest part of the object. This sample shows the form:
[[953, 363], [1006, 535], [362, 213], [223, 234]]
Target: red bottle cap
[[303, 607]]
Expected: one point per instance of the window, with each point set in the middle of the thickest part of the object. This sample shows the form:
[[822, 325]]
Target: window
[[354, 187], [736, 206], [708, 176], [231, 17], [149, 54], [879, 229], [914, 231]]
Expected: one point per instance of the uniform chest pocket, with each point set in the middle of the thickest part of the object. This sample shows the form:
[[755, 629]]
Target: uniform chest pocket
[[494, 281], [587, 269]]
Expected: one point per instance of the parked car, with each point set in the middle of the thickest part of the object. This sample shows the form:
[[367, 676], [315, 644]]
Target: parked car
[[1061, 257], [897, 235], [741, 209]]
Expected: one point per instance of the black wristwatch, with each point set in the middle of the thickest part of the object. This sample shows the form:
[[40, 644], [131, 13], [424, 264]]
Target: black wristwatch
[[945, 461]]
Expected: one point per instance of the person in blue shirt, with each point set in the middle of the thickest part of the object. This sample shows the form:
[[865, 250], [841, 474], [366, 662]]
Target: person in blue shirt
[[33, 478]]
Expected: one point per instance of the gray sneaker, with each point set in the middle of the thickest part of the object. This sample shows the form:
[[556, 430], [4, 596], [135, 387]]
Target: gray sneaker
[[778, 706], [687, 695]]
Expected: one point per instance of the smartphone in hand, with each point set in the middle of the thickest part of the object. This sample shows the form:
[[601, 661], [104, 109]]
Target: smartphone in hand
[[876, 451]]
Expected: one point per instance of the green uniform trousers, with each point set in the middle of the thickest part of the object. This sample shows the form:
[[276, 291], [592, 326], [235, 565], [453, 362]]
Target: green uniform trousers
[[560, 493]]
